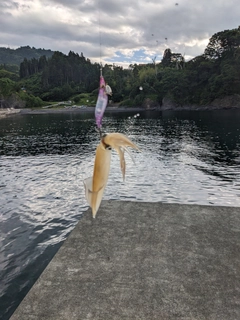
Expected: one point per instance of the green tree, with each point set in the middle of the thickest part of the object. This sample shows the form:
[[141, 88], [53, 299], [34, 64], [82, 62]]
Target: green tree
[[31, 100], [7, 87], [10, 75], [166, 60], [222, 42]]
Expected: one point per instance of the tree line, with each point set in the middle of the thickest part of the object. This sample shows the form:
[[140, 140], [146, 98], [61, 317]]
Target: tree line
[[214, 74], [10, 56]]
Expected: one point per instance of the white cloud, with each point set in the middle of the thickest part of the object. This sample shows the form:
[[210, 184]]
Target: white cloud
[[111, 30]]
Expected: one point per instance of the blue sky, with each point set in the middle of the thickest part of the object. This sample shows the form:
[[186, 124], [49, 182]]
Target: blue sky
[[123, 32], [137, 56]]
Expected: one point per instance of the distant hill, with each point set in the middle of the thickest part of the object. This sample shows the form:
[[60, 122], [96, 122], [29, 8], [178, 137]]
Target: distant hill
[[16, 56]]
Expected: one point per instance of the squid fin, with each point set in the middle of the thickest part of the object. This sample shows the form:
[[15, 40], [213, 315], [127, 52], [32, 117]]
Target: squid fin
[[88, 189], [93, 198]]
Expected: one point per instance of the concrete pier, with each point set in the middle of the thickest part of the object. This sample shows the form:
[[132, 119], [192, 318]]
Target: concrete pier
[[143, 261]]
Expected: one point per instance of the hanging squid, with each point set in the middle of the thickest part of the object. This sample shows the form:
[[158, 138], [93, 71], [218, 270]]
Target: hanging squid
[[94, 186]]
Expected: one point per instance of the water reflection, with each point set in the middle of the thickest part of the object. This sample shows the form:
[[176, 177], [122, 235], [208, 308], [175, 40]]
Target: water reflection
[[186, 157]]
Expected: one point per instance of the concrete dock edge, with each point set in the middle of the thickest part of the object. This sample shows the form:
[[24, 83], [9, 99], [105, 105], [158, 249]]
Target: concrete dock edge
[[144, 261]]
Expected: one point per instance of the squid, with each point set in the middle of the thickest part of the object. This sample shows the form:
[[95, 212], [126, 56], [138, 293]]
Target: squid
[[95, 185]]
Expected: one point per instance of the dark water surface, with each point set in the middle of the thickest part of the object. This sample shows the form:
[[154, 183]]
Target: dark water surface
[[186, 157]]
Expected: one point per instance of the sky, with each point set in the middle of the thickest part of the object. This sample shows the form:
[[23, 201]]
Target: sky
[[119, 32]]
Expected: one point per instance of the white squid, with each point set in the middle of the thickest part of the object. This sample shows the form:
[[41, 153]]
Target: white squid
[[94, 186]]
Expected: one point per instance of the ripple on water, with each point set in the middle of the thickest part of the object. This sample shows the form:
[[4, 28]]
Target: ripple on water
[[44, 160]]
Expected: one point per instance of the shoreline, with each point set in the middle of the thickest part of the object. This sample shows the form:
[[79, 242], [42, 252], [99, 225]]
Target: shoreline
[[126, 109], [10, 112], [78, 110]]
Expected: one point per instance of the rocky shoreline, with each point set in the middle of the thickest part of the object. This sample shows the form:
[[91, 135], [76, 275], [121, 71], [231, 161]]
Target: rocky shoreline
[[129, 109], [226, 103]]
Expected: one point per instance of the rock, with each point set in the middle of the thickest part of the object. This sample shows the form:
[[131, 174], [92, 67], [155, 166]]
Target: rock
[[13, 101], [168, 104], [226, 102], [150, 104]]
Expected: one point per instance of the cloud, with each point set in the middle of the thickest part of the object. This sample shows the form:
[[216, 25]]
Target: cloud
[[122, 32]]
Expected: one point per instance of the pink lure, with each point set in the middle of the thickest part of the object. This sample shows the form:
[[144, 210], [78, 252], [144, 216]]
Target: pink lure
[[101, 103]]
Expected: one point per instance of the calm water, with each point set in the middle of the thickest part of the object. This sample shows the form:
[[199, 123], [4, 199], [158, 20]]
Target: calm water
[[187, 157]]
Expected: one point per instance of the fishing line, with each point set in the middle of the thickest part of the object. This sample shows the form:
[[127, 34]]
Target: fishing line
[[100, 35]]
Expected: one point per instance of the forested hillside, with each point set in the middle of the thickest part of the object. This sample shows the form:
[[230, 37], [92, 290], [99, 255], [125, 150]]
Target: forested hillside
[[213, 75], [16, 56]]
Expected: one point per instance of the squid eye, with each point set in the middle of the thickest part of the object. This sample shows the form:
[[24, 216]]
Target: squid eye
[[104, 135]]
